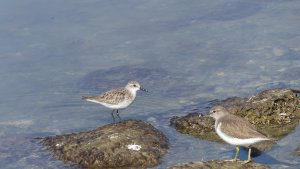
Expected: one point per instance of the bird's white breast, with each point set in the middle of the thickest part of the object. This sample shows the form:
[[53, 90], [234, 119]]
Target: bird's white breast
[[121, 105]]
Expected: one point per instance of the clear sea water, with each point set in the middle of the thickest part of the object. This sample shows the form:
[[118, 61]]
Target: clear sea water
[[183, 52]]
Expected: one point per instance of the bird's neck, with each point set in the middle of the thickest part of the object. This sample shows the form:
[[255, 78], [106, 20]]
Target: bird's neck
[[216, 124], [132, 91], [217, 121]]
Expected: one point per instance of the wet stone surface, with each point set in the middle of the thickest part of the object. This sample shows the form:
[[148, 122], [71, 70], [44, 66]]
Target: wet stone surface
[[196, 124], [216, 164], [274, 112], [127, 144]]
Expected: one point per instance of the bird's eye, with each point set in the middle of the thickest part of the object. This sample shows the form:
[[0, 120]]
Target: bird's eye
[[134, 85]]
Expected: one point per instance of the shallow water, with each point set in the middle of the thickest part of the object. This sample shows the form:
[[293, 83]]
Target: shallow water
[[184, 53]]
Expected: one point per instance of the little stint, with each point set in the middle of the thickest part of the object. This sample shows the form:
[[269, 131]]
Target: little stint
[[118, 98]]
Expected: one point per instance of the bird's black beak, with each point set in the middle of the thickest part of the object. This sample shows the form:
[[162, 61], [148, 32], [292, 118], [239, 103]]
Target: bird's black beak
[[142, 89], [210, 112]]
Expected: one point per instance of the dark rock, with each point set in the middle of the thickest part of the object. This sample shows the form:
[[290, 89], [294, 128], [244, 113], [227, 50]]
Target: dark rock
[[217, 164], [274, 112], [197, 125], [127, 144]]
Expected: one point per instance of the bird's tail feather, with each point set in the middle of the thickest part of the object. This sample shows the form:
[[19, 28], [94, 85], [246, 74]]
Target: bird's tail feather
[[85, 97]]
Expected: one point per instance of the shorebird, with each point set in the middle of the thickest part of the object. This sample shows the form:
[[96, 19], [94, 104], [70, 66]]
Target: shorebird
[[118, 98], [235, 130]]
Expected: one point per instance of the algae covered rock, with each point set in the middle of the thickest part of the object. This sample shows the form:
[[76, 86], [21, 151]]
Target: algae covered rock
[[217, 164], [196, 124], [274, 112], [127, 144]]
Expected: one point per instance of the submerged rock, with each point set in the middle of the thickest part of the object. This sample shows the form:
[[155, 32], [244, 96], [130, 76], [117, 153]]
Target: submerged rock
[[274, 112], [127, 144], [216, 164]]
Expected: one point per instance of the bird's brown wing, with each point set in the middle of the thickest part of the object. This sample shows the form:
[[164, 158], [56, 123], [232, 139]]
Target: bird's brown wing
[[114, 96], [237, 127]]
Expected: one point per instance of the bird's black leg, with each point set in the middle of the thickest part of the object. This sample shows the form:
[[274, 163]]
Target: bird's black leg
[[112, 114], [118, 115]]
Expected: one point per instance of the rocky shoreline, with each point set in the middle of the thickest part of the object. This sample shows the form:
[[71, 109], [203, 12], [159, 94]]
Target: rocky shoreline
[[137, 144], [127, 144], [274, 112], [217, 164]]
